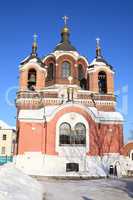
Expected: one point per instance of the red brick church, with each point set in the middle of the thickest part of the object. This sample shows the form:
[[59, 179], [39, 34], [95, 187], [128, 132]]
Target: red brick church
[[66, 111]]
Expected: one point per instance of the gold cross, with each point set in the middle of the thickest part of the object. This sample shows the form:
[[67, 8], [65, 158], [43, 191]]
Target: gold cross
[[65, 18], [98, 42], [35, 37]]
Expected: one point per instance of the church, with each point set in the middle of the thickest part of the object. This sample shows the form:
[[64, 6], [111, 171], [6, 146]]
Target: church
[[67, 122]]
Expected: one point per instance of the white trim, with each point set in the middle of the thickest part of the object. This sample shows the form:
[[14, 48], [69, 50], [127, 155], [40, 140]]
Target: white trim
[[57, 54], [48, 56], [97, 116], [73, 54], [101, 67], [85, 59], [30, 64], [76, 119]]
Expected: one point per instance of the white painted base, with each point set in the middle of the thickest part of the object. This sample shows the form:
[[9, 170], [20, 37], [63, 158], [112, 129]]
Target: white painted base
[[36, 163]]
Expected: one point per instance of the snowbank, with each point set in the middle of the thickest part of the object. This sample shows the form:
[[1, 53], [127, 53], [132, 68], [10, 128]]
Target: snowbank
[[15, 185]]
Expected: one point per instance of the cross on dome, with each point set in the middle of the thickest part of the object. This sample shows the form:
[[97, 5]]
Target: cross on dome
[[65, 18], [98, 42], [35, 37], [34, 45], [98, 48]]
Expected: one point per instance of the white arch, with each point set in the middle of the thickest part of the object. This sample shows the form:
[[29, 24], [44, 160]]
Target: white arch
[[75, 55], [72, 118], [91, 111], [34, 65], [48, 56]]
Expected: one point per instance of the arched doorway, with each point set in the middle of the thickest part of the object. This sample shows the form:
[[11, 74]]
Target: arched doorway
[[31, 84], [102, 82]]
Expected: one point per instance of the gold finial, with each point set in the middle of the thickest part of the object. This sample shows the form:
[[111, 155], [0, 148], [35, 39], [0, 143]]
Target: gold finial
[[65, 18], [65, 29]]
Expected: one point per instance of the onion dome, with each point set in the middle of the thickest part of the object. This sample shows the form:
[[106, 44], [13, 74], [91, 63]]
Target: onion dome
[[65, 44], [33, 55], [99, 60]]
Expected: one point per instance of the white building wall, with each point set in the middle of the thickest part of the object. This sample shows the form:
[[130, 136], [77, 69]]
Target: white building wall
[[8, 143], [46, 165]]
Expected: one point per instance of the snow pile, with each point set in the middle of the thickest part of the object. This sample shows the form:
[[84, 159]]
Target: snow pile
[[15, 185], [95, 170]]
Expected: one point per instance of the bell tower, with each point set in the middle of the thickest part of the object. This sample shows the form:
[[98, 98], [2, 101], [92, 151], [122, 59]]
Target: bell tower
[[32, 76], [101, 79]]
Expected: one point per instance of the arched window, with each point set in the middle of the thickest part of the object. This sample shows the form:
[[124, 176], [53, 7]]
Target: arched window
[[81, 78], [66, 70], [80, 136], [65, 132], [83, 84], [50, 72], [72, 137], [31, 79], [80, 72], [132, 156], [102, 82]]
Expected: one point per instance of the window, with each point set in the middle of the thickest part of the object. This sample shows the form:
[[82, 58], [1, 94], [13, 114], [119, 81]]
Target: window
[[66, 70], [80, 134], [32, 79], [4, 137], [102, 82], [70, 167], [131, 156], [80, 72], [72, 137], [3, 150], [65, 131], [83, 84], [50, 72], [111, 170]]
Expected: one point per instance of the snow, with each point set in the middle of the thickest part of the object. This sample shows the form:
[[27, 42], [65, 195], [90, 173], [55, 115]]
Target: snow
[[97, 63], [31, 114], [36, 114], [101, 189], [15, 185], [49, 110], [107, 116], [4, 125]]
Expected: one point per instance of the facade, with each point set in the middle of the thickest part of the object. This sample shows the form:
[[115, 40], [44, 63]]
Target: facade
[[7, 142], [128, 158], [66, 112]]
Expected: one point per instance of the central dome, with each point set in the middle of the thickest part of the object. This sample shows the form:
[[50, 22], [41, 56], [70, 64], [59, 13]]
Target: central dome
[[65, 44]]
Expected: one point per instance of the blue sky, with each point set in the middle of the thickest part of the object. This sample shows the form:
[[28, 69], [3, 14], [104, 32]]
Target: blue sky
[[110, 20]]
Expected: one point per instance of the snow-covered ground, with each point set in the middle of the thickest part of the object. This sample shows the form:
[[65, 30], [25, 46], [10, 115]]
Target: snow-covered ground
[[15, 185], [101, 189]]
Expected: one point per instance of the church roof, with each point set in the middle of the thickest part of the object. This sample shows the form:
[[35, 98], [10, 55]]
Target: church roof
[[65, 44], [99, 60], [33, 55]]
